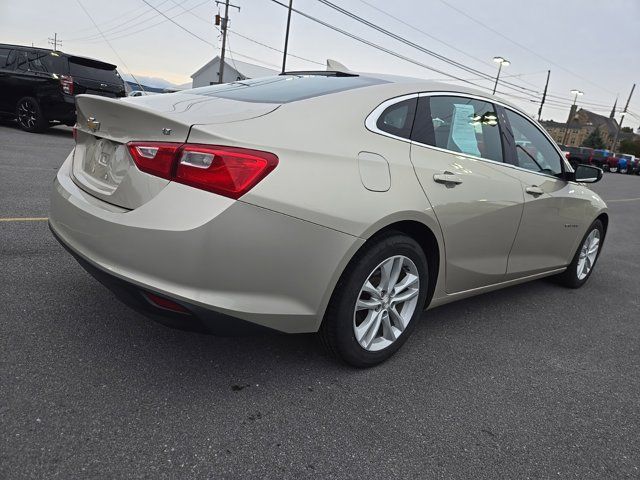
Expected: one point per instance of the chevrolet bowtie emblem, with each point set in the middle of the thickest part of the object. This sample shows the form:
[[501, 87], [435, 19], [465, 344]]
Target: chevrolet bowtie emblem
[[92, 124]]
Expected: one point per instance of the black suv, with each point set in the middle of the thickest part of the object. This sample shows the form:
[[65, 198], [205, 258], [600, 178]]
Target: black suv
[[38, 86]]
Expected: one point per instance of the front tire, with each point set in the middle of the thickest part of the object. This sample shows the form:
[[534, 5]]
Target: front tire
[[584, 261], [377, 302], [29, 115]]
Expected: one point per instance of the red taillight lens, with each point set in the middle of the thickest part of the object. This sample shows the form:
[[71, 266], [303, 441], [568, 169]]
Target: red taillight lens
[[228, 171], [154, 157], [66, 82]]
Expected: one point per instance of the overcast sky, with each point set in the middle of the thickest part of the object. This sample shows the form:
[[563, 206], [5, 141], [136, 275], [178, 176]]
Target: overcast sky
[[591, 45]]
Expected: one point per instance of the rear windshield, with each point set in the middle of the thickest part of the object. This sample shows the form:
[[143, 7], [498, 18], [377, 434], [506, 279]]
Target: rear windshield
[[85, 68], [284, 88]]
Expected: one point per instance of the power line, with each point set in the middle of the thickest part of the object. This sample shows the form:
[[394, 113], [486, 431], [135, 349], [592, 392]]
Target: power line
[[375, 45], [386, 13], [438, 56], [133, 22], [524, 47], [178, 25], [135, 28], [253, 40], [109, 43]]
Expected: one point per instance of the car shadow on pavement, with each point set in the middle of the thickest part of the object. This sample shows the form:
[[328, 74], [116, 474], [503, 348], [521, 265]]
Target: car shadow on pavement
[[56, 130], [197, 357]]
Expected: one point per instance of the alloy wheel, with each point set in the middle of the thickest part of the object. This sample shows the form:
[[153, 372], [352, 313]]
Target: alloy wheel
[[588, 254], [27, 114], [386, 303]]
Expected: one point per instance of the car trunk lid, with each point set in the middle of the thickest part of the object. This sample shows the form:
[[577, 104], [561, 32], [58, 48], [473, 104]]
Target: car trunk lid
[[102, 165]]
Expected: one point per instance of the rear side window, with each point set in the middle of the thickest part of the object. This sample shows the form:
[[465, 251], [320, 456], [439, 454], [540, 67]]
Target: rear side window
[[398, 118], [86, 68], [4, 53], [284, 88], [459, 124], [534, 151], [47, 62], [21, 61]]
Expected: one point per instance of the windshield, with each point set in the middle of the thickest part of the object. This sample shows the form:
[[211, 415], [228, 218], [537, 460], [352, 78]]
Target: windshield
[[285, 88]]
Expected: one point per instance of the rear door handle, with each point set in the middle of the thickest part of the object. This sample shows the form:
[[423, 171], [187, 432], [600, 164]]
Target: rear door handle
[[534, 190], [447, 178]]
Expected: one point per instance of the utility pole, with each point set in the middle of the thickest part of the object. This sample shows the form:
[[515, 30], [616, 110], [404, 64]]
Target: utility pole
[[55, 42], [624, 112], [223, 27], [544, 95], [286, 38]]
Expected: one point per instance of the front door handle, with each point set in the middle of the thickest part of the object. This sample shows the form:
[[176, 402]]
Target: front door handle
[[447, 178], [534, 190]]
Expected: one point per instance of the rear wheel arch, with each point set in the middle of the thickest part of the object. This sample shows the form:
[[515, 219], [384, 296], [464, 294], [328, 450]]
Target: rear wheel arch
[[427, 240]]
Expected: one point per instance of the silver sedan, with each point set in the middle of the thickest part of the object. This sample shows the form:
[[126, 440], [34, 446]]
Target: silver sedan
[[321, 201]]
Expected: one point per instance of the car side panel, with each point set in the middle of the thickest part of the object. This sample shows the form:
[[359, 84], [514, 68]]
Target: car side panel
[[551, 224], [479, 217]]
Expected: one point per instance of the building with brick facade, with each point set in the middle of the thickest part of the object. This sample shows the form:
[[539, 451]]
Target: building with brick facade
[[581, 123]]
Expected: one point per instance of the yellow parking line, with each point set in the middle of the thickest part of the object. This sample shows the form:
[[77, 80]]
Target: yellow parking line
[[623, 200], [25, 219]]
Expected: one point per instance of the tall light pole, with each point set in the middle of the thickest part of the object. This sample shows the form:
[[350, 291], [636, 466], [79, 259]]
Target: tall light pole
[[575, 94], [502, 62]]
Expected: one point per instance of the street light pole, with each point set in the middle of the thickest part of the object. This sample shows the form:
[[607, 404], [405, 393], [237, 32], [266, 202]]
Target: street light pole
[[500, 61], [566, 128]]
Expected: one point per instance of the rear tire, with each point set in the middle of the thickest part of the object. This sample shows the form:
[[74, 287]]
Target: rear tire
[[29, 115], [583, 263], [364, 326]]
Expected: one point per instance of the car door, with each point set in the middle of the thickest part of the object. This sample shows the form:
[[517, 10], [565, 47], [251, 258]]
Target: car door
[[554, 208], [458, 156]]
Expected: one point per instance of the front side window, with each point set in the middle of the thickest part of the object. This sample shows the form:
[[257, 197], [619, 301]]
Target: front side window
[[398, 118], [534, 151], [461, 125]]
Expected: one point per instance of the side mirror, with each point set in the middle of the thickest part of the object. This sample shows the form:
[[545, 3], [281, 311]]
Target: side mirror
[[587, 174]]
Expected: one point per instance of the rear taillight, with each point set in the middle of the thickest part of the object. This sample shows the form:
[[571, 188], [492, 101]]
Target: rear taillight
[[228, 171], [66, 82], [567, 155], [155, 158]]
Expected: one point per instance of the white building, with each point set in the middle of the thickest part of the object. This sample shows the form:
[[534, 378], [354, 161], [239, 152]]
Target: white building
[[233, 70]]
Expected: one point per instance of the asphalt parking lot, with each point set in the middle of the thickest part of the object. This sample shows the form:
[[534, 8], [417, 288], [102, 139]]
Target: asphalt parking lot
[[535, 381]]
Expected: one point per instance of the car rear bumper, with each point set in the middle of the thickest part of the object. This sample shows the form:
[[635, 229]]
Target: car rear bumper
[[195, 318], [209, 253]]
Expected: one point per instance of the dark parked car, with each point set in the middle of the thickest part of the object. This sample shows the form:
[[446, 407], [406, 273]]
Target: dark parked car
[[38, 86], [578, 155], [600, 160]]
